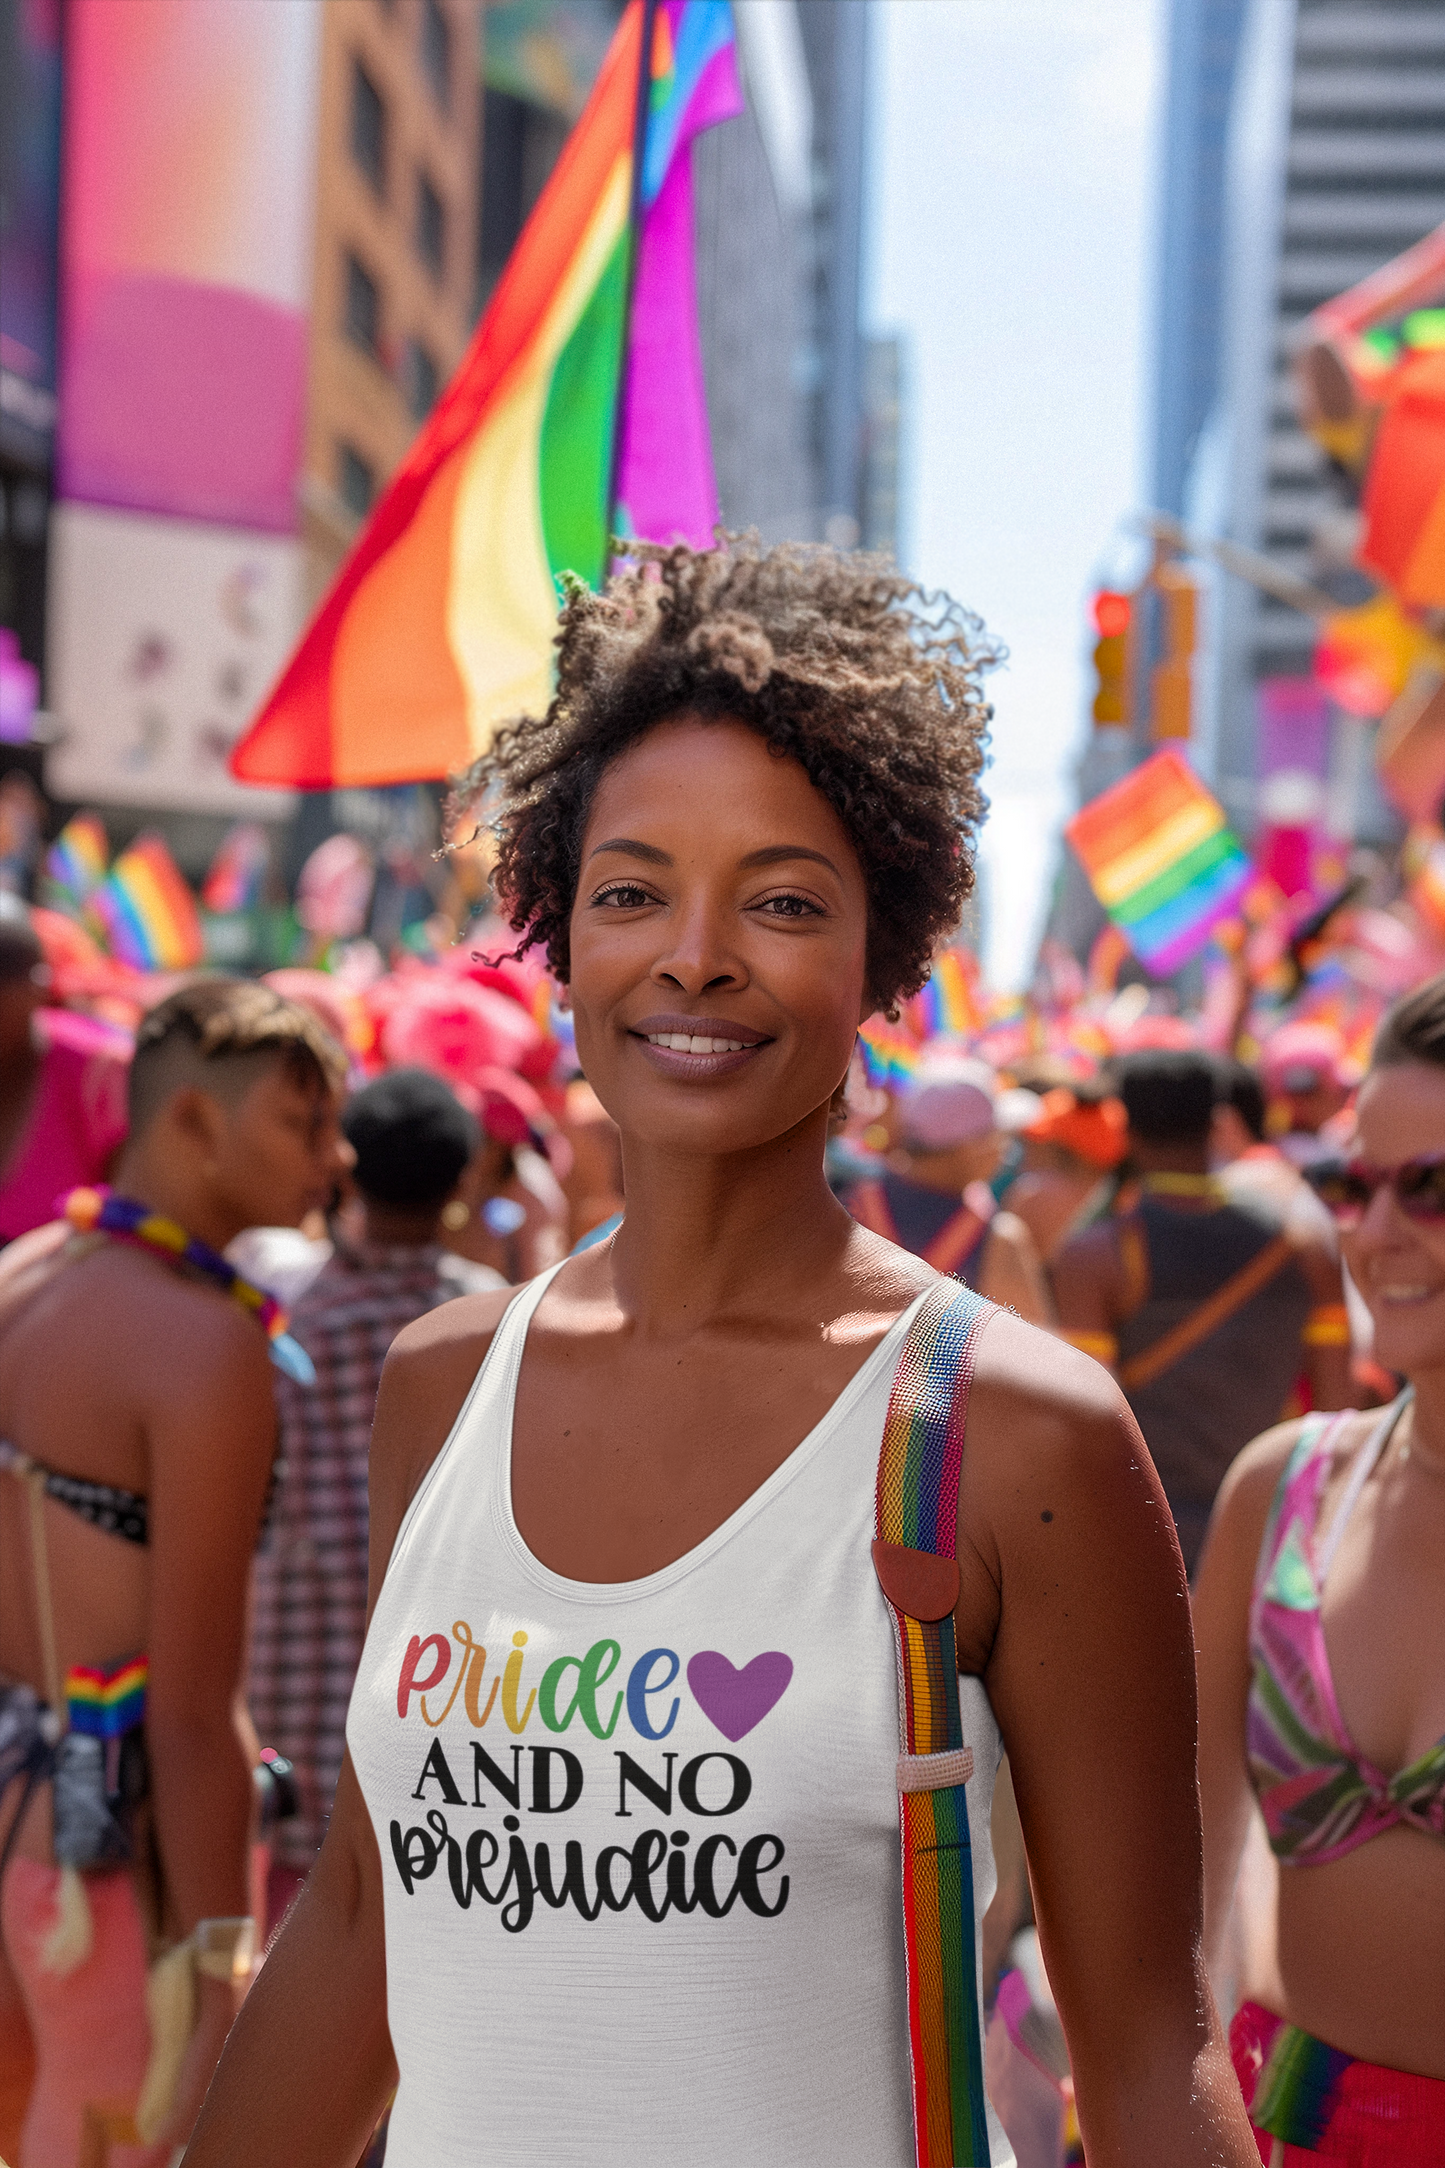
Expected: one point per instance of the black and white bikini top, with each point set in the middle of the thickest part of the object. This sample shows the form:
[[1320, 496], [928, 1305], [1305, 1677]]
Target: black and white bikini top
[[115, 1512]]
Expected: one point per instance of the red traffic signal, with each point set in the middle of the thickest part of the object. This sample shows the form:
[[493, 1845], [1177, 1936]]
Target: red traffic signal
[[1111, 613]]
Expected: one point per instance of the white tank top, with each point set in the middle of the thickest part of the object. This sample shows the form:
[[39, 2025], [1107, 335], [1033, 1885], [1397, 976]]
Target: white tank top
[[639, 1840]]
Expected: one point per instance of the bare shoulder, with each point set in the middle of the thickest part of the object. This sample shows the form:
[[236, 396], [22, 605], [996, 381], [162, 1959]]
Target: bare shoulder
[[429, 1370], [1092, 1245], [1037, 1402]]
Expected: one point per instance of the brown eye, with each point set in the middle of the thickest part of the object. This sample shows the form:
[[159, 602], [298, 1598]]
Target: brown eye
[[625, 897], [789, 907]]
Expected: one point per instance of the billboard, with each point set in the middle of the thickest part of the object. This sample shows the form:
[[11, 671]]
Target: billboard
[[164, 638], [29, 189], [189, 184], [186, 242]]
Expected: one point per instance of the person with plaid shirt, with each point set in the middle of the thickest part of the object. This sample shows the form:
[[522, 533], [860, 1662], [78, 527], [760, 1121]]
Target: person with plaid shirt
[[412, 1138]]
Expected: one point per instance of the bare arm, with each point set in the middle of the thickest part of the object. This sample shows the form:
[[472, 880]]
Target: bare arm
[[1013, 1275], [309, 2064], [210, 1431], [1091, 1673], [1221, 1632]]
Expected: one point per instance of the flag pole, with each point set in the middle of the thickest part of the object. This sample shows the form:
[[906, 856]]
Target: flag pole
[[634, 221]]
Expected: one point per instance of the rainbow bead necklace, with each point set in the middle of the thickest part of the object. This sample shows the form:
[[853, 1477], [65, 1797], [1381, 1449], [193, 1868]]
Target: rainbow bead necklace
[[123, 1219]]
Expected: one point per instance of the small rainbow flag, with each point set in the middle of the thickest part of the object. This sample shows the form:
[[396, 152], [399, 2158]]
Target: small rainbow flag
[[146, 911], [76, 861], [889, 1052], [237, 870], [1162, 860], [103, 1704], [946, 1007], [581, 395]]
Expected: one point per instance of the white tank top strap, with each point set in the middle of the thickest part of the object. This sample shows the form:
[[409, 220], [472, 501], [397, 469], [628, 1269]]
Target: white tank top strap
[[496, 1379]]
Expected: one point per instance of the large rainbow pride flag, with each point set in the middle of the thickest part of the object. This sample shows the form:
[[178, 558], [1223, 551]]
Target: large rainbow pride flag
[[1162, 860], [441, 621]]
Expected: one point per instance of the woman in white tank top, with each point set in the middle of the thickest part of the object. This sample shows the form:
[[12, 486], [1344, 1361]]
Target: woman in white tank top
[[613, 1874]]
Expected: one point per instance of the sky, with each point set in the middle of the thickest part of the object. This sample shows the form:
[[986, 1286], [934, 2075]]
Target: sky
[[1013, 147]]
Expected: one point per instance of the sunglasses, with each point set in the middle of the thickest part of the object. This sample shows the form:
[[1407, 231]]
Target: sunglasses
[[1347, 1188]]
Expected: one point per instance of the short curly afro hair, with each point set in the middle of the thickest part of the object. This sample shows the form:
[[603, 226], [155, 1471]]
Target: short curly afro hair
[[838, 661]]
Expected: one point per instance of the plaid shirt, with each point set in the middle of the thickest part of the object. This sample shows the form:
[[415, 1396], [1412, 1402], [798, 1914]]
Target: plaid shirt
[[308, 1591]]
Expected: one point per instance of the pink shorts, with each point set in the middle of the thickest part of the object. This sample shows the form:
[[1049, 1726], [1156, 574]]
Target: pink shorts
[[1374, 2117], [92, 2041]]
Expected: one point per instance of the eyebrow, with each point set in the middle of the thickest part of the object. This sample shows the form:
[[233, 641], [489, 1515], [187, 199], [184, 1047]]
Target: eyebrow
[[633, 849], [773, 854], [779, 853]]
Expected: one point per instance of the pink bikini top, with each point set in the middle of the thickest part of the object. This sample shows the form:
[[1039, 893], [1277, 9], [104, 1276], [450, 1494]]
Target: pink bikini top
[[1319, 1795]]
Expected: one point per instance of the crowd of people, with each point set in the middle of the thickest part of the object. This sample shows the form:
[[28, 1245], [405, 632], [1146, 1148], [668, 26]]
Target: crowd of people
[[412, 1433]]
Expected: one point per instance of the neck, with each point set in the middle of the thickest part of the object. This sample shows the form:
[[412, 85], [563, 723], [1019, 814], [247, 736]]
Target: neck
[[173, 1191], [705, 1236], [393, 1227], [1427, 1416]]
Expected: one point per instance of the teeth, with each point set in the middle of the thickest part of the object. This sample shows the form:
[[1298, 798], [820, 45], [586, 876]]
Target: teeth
[[681, 1043], [1404, 1294]]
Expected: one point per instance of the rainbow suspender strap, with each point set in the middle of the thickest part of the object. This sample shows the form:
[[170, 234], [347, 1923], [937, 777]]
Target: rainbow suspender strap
[[916, 1559]]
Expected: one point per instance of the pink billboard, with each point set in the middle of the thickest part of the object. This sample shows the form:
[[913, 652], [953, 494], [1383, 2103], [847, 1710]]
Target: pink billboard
[[186, 257]]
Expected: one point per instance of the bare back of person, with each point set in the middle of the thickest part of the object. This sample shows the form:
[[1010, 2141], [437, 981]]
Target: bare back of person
[[138, 1417], [82, 1382]]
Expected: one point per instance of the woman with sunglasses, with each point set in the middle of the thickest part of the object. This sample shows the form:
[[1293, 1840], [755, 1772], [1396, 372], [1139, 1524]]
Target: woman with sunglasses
[[1320, 1621]]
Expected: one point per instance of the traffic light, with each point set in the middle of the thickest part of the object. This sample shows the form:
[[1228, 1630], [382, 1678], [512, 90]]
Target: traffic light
[[1172, 681], [1112, 612]]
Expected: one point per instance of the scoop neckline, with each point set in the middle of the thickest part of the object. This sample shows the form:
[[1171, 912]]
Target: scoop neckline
[[600, 1592]]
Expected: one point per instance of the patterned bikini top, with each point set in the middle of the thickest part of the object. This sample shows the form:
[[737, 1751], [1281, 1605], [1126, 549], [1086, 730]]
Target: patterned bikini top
[[1319, 1795], [115, 1512]]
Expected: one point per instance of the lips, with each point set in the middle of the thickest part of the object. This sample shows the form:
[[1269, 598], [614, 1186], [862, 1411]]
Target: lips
[[697, 1047]]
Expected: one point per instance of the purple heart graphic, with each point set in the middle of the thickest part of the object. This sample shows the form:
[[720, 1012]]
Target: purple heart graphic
[[737, 1700]]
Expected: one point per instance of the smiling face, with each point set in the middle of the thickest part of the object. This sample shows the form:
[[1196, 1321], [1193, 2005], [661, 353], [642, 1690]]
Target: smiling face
[[718, 942], [1398, 1263]]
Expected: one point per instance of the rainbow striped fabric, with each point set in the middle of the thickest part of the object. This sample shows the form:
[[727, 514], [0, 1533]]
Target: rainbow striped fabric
[[441, 622], [1297, 2088], [1162, 860], [76, 861], [102, 1703], [918, 1476], [146, 912]]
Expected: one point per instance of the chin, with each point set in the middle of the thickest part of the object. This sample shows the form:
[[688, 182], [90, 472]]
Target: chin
[[1410, 1341]]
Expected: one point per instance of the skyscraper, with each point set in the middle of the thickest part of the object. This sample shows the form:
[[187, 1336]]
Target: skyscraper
[[1203, 48], [1336, 163]]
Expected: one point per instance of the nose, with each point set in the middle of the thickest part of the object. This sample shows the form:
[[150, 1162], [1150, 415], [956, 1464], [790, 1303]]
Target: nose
[[1382, 1224], [700, 957]]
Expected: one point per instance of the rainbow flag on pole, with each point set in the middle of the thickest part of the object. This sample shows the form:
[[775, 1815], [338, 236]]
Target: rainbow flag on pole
[[75, 863], [581, 395], [1162, 860], [146, 911]]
